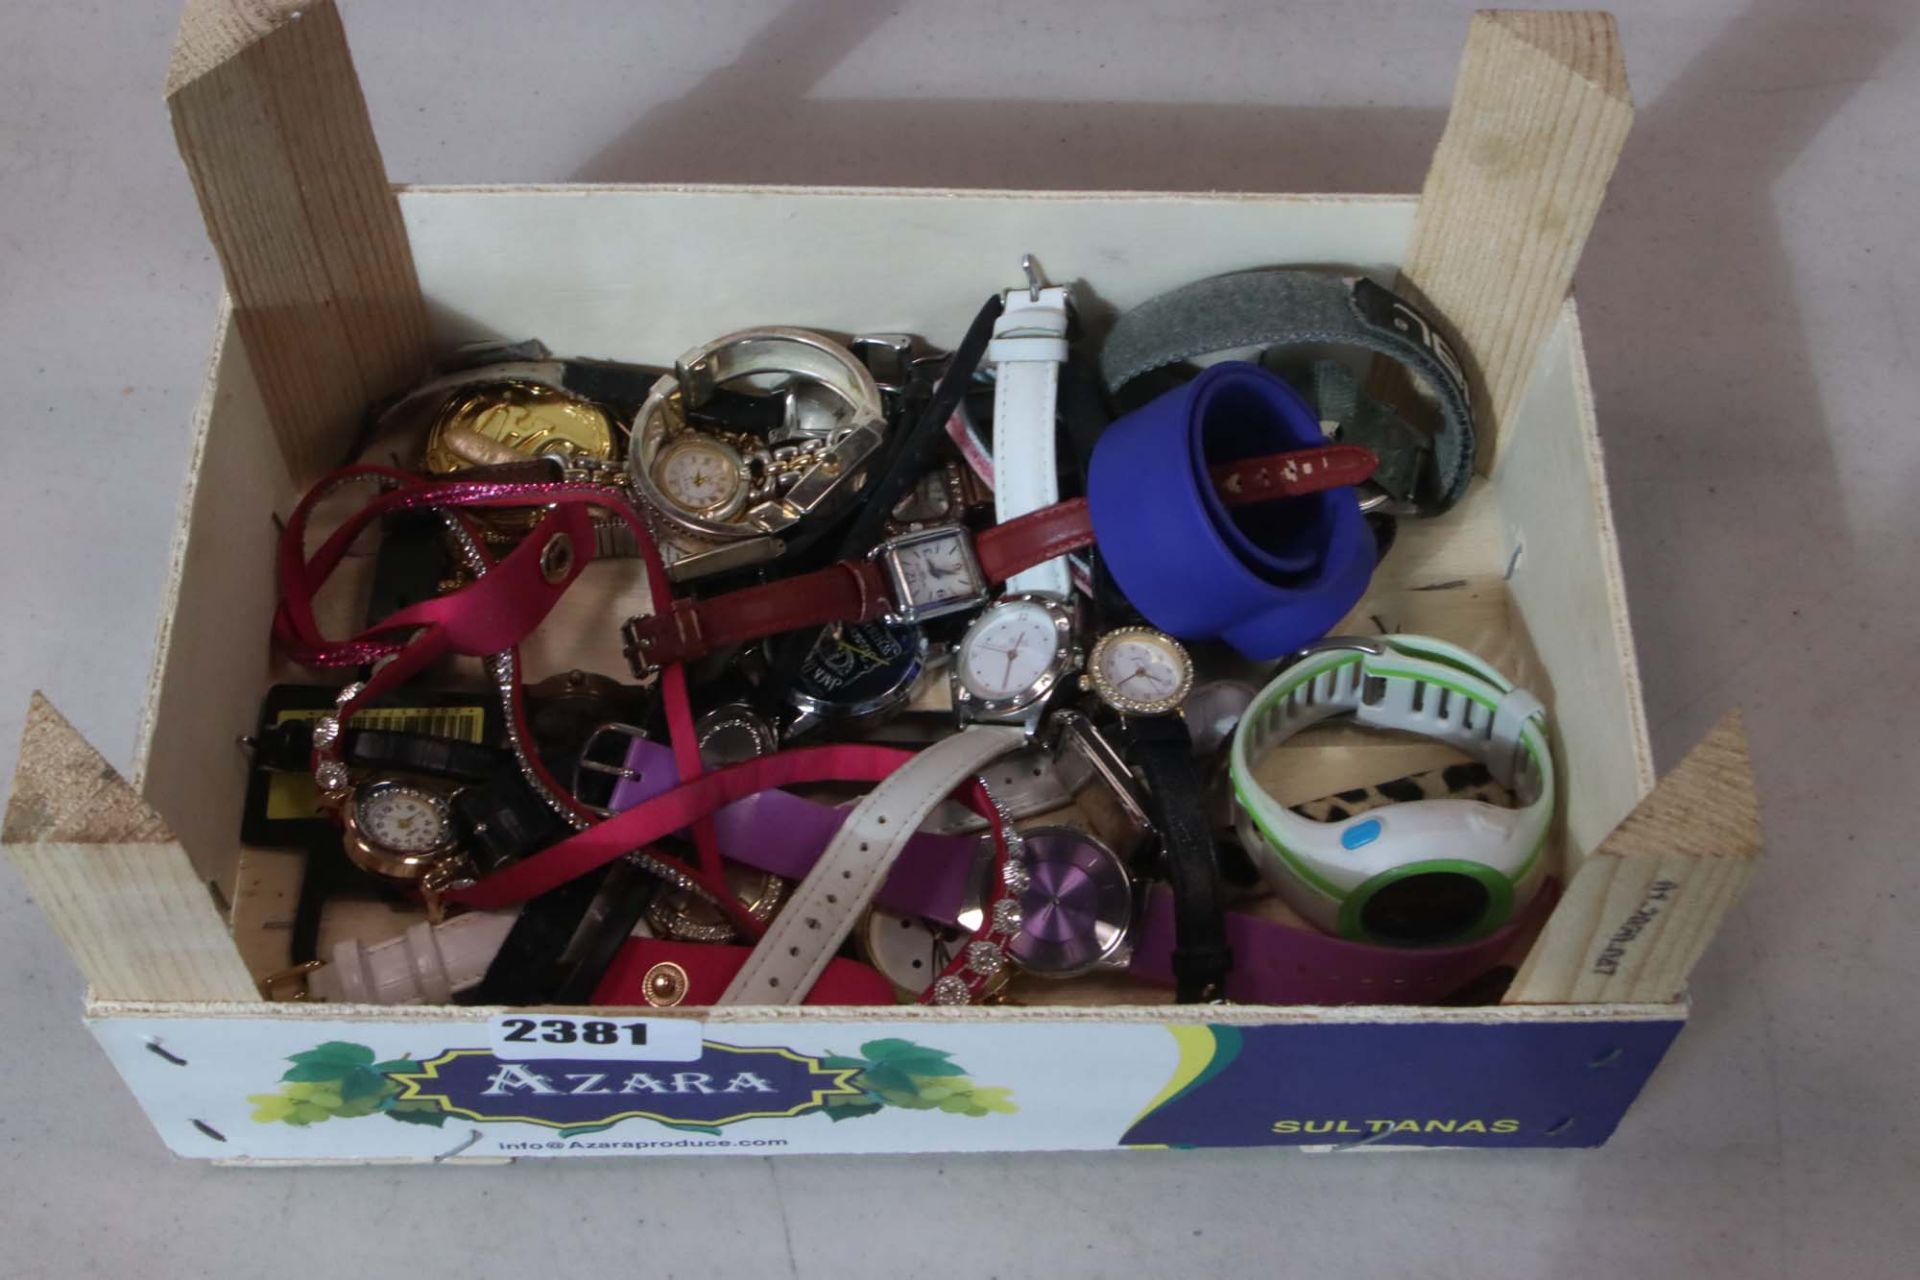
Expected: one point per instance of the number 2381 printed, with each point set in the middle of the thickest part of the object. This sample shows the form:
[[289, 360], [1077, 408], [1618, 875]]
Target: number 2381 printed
[[527, 1037]]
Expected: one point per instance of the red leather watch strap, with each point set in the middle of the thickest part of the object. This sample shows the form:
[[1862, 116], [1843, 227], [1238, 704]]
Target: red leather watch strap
[[1034, 538], [1290, 475], [858, 590], [847, 591]]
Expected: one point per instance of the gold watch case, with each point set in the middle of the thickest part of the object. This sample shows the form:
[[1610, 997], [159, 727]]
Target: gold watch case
[[1115, 693], [525, 418]]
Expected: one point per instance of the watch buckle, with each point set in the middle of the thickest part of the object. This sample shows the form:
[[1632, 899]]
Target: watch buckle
[[295, 975]]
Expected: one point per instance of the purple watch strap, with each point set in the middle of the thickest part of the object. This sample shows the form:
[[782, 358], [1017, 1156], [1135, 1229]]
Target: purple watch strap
[[779, 832], [785, 834], [1275, 963]]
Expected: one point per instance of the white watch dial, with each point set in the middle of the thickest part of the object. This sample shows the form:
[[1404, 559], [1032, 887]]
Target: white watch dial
[[936, 571], [1008, 650], [699, 475], [402, 818], [1141, 670]]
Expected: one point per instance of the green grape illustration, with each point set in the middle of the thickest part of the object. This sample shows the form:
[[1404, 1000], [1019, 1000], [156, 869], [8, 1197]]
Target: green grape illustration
[[341, 1081], [899, 1073]]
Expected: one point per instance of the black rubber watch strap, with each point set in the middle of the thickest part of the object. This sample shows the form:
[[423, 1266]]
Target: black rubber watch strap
[[1163, 753]]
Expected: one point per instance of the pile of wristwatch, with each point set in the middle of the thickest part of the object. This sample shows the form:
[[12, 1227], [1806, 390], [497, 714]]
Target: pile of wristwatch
[[954, 671]]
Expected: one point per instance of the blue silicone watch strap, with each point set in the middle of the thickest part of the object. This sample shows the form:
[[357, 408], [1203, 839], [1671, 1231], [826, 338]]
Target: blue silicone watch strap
[[1168, 546]]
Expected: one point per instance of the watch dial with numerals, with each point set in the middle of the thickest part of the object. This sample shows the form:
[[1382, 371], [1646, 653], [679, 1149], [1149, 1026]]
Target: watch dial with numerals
[[936, 571], [1140, 671], [855, 663], [701, 476], [403, 818], [1009, 650]]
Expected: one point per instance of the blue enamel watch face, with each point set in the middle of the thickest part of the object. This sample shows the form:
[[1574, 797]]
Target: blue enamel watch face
[[856, 667]]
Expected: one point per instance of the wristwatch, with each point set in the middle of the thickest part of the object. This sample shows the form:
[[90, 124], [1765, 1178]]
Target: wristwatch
[[682, 911], [722, 486], [1191, 555], [856, 673], [1139, 671], [842, 884], [1142, 676], [731, 733], [513, 420], [403, 832], [1423, 472], [946, 569], [1416, 874], [941, 879], [1029, 346], [1012, 658]]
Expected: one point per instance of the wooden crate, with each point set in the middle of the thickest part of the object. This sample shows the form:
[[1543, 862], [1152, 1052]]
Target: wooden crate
[[342, 290]]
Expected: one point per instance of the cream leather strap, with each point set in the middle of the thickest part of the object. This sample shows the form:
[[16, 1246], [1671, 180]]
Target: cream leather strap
[[824, 908], [1029, 346]]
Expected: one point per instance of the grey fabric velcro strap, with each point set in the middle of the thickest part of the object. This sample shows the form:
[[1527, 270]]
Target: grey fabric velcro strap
[[1283, 309]]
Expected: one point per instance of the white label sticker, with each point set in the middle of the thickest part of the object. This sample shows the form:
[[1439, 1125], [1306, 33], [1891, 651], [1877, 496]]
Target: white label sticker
[[531, 1037]]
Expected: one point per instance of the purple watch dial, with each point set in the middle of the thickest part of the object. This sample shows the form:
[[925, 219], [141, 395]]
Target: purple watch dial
[[1077, 907]]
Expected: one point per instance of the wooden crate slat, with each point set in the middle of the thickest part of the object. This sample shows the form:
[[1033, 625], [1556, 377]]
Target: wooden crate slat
[[1540, 113], [274, 130], [1644, 905], [118, 889]]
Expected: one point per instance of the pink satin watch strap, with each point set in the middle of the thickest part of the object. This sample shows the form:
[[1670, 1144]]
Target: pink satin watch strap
[[489, 616], [672, 810]]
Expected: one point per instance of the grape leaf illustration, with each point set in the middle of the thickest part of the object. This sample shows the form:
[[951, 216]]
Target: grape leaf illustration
[[339, 1080]]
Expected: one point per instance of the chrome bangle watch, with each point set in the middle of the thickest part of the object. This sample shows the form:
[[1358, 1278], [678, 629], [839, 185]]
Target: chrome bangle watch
[[710, 486]]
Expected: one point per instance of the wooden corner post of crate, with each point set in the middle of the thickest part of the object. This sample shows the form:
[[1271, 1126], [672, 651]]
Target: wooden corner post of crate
[[1540, 113], [1641, 907], [274, 130], [117, 887]]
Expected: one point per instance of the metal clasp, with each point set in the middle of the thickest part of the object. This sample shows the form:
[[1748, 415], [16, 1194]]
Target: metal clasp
[[292, 974]]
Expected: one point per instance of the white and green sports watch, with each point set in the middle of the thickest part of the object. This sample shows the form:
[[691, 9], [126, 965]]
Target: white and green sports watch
[[1420, 873]]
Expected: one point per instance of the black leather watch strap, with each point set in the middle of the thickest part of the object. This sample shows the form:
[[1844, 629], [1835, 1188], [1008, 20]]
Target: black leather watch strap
[[1161, 750], [421, 753], [288, 747]]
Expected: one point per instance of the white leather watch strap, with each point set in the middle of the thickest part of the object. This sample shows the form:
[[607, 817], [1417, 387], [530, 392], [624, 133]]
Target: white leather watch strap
[[428, 964], [794, 952], [1029, 346]]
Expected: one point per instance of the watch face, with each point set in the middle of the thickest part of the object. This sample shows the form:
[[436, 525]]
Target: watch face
[[402, 818], [529, 419], [1077, 908], [1140, 671], [936, 573], [733, 734], [909, 952], [701, 476], [853, 666], [1009, 651], [688, 915]]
